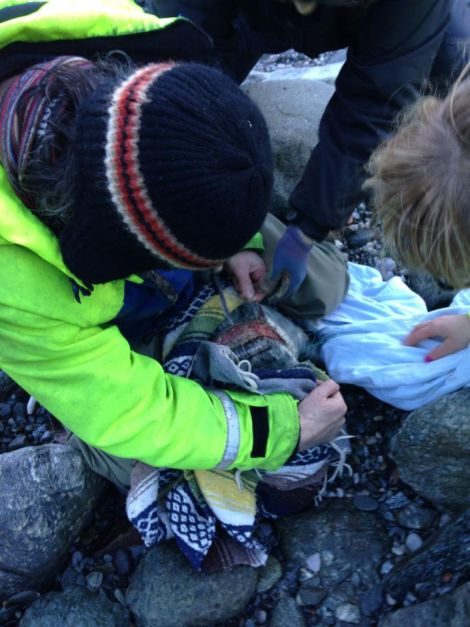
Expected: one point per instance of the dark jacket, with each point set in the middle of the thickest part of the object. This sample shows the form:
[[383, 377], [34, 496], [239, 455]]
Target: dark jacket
[[391, 48]]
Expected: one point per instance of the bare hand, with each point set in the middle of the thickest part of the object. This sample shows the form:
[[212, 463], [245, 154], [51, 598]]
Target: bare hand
[[248, 271], [454, 330], [321, 415]]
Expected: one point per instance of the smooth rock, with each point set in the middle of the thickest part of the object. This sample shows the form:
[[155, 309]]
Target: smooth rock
[[313, 562], [94, 581], [48, 494], [432, 449], [365, 503], [5, 410], [23, 598], [348, 613], [451, 610], [75, 607], [415, 517], [166, 591], [292, 109], [413, 542], [269, 574]]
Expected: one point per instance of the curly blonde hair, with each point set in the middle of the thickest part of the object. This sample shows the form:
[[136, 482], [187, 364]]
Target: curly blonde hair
[[420, 186]]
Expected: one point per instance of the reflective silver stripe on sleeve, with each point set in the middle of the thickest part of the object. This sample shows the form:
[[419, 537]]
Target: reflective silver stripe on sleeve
[[232, 445]]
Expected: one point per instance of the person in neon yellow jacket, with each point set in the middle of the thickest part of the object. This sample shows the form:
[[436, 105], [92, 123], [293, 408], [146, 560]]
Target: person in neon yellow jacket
[[111, 169]]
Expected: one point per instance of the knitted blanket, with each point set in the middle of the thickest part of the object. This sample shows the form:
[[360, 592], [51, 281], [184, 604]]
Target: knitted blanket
[[215, 515]]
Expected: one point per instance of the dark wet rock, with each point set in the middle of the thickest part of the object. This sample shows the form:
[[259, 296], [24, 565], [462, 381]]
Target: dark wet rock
[[310, 594], [166, 591], [434, 294], [451, 610], [5, 410], [47, 495], [447, 551], [359, 238], [286, 613], [7, 385], [71, 577], [432, 450], [17, 442], [23, 599], [19, 412], [122, 562], [290, 107], [372, 600], [75, 607], [7, 614], [348, 540]]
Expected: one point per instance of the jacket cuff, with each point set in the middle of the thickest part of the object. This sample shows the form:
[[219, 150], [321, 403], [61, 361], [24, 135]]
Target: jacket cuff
[[269, 431]]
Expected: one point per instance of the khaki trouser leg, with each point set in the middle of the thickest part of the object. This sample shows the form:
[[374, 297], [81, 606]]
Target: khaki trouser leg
[[327, 278], [115, 469]]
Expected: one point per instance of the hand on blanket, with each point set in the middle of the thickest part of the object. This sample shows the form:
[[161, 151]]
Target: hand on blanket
[[248, 270], [454, 331], [321, 414]]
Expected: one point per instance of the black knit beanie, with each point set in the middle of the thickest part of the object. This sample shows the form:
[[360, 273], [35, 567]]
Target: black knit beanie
[[173, 166]]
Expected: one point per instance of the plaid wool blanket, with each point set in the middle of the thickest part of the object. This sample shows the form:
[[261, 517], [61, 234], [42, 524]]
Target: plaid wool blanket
[[215, 515]]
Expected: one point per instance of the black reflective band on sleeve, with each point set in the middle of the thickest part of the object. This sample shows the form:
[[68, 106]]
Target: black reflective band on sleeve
[[19, 10], [260, 420]]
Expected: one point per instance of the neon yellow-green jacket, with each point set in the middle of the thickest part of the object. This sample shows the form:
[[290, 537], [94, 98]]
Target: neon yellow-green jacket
[[69, 355]]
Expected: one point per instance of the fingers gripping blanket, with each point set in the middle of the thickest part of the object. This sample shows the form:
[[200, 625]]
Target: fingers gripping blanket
[[214, 515]]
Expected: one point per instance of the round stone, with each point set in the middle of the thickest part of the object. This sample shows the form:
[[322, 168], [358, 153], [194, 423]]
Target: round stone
[[365, 503]]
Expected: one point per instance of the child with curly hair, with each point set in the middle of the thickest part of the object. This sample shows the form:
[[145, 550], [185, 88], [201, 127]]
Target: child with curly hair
[[420, 186]]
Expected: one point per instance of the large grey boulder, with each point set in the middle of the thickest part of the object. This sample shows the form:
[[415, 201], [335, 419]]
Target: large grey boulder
[[348, 546], [450, 610], [75, 607], [47, 495], [348, 541], [432, 450], [166, 591], [292, 108]]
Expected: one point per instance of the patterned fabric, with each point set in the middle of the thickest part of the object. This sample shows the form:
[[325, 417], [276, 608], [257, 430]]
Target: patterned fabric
[[214, 515]]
